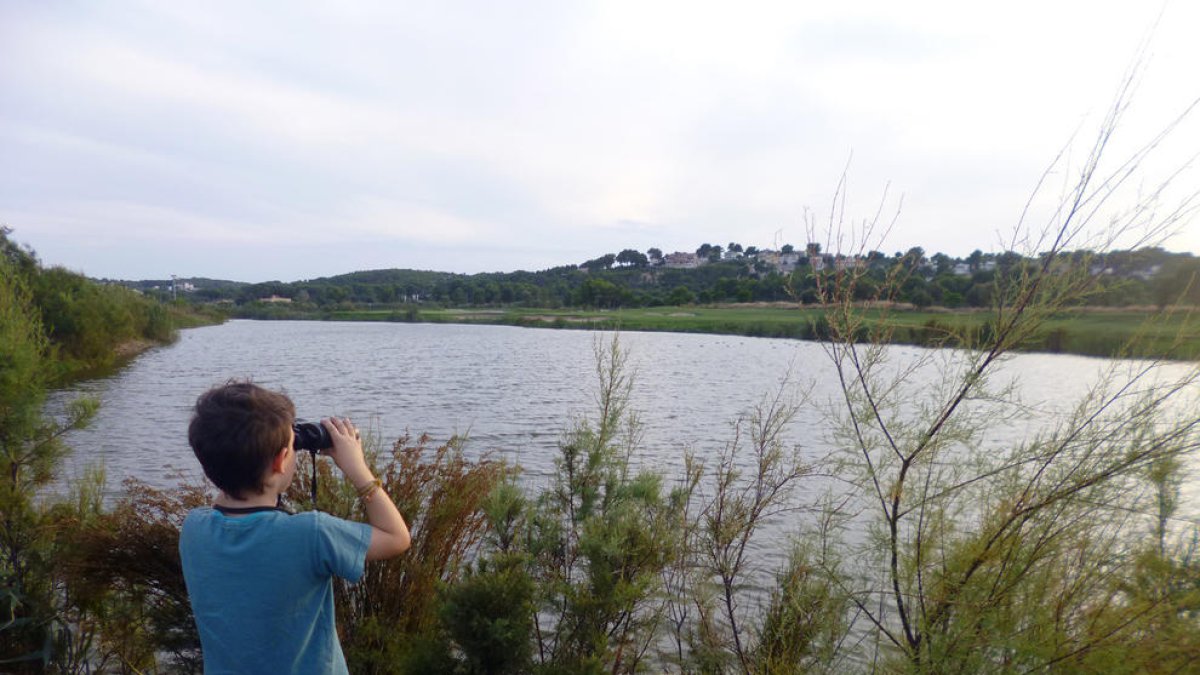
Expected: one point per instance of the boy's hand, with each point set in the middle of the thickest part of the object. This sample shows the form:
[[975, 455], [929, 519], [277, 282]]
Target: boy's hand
[[347, 452], [389, 532]]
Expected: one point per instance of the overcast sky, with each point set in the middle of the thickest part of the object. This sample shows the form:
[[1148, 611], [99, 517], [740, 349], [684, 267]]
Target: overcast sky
[[289, 140]]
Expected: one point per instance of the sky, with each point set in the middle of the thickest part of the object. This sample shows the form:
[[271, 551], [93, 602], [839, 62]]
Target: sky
[[258, 141]]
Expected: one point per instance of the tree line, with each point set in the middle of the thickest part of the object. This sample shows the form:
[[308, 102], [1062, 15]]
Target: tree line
[[1144, 277]]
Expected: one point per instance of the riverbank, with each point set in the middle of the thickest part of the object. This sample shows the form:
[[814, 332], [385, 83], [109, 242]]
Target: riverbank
[[67, 370], [1088, 332]]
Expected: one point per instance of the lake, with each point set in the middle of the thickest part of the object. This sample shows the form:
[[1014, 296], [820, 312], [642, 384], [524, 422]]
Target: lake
[[512, 391]]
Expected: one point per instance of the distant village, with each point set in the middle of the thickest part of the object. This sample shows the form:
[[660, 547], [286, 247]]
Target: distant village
[[788, 261], [1143, 264]]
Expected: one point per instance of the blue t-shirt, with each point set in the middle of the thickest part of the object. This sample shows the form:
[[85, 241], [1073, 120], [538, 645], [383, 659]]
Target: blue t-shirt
[[261, 587]]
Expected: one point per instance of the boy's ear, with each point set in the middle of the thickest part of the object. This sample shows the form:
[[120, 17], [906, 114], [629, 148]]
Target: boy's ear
[[277, 462]]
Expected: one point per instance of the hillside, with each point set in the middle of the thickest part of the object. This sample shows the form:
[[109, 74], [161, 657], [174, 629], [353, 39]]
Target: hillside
[[1145, 277]]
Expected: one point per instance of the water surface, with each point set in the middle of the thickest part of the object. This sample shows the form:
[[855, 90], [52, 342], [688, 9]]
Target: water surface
[[512, 391]]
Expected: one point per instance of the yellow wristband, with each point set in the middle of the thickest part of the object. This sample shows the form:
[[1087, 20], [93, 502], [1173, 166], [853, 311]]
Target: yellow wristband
[[367, 491]]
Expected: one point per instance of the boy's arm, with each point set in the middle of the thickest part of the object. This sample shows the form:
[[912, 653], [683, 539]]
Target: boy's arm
[[389, 533]]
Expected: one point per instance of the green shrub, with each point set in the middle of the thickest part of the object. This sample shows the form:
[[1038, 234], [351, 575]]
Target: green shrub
[[32, 621], [489, 616]]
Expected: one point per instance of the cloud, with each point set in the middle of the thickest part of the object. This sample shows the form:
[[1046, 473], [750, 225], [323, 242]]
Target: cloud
[[96, 222], [375, 217], [553, 127]]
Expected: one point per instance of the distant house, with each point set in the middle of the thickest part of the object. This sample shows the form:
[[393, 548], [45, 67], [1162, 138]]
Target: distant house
[[788, 262], [1147, 273], [816, 262], [681, 260], [275, 298], [962, 269], [769, 257], [843, 263], [732, 255], [784, 263]]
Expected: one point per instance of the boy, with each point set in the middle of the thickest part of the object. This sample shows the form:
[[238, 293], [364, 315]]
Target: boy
[[259, 578]]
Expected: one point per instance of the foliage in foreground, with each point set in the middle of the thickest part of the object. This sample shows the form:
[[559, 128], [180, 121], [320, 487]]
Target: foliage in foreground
[[53, 324], [1008, 535]]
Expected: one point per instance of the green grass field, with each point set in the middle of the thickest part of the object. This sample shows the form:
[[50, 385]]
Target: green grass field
[[1088, 332]]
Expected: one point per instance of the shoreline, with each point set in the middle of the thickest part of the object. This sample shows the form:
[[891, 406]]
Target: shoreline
[[131, 348], [121, 354], [1097, 332]]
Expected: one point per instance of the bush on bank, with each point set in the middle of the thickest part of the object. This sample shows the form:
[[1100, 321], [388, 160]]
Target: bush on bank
[[85, 322], [54, 325]]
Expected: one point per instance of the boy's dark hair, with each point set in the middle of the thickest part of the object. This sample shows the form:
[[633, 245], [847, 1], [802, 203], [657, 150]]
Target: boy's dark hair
[[236, 431]]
